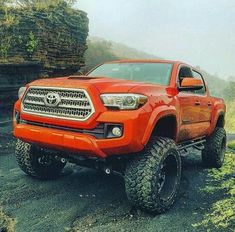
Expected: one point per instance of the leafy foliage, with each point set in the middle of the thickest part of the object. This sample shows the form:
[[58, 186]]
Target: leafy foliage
[[31, 44], [231, 144]]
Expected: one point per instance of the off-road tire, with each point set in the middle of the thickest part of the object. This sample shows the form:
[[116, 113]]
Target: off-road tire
[[27, 157], [143, 176], [215, 147]]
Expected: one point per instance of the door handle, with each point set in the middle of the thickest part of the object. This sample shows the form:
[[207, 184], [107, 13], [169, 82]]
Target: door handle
[[209, 104], [197, 103]]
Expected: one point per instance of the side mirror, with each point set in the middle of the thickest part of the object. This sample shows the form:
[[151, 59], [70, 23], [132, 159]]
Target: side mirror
[[189, 83]]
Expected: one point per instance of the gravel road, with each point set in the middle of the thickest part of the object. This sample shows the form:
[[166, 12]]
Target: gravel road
[[86, 200]]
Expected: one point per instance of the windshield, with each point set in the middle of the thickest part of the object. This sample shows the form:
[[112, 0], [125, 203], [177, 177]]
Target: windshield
[[158, 73]]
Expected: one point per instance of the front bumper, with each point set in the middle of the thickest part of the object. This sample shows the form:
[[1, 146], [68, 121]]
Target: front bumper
[[134, 124]]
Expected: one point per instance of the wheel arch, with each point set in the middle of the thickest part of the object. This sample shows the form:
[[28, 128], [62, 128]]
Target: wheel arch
[[219, 121], [164, 124]]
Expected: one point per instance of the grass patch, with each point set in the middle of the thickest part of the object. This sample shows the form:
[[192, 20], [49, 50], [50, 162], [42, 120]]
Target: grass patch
[[221, 215], [231, 145], [7, 224], [230, 117]]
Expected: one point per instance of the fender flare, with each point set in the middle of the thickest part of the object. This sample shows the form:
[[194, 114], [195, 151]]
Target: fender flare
[[159, 113], [215, 119]]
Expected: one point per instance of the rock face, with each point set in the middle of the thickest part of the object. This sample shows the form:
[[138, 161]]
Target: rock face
[[39, 42], [12, 77], [55, 36]]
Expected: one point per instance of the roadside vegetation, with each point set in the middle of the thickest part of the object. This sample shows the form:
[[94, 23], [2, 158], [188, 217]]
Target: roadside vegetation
[[230, 121], [221, 183], [230, 115], [231, 145], [7, 224], [229, 96]]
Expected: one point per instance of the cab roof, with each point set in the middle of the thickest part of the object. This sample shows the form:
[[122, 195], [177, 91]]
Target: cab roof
[[144, 61]]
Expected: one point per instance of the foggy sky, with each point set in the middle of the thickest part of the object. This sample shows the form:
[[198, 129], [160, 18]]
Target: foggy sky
[[199, 32]]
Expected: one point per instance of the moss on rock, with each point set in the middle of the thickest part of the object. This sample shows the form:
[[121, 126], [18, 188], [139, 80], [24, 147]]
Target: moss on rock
[[54, 36]]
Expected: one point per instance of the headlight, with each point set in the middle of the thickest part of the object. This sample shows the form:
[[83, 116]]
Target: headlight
[[124, 101], [21, 92]]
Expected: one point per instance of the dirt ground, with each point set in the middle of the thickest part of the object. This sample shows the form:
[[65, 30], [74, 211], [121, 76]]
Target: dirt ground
[[87, 200]]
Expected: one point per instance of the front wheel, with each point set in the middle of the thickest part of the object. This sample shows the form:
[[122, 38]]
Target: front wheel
[[215, 147], [152, 179], [36, 162]]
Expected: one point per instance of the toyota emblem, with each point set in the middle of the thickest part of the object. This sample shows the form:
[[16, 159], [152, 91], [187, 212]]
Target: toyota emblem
[[52, 99]]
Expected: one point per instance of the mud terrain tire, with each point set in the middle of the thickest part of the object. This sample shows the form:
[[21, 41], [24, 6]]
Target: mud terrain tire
[[215, 147], [152, 178], [28, 156]]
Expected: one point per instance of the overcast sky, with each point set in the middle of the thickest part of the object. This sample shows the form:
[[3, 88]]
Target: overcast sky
[[200, 32]]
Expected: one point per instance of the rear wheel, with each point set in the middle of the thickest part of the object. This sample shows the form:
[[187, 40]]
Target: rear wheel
[[152, 179], [215, 147], [37, 162]]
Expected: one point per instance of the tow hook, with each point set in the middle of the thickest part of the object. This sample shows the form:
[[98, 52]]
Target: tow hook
[[63, 160], [107, 170]]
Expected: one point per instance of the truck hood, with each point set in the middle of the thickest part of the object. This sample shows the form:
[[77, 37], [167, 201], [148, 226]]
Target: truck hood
[[102, 84]]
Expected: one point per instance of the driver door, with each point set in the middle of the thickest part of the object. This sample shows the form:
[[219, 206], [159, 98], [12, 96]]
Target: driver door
[[189, 109]]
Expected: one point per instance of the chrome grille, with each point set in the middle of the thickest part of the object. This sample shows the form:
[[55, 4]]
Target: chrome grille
[[73, 103]]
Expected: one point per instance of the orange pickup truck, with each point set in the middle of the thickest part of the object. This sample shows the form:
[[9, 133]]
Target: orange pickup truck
[[135, 117]]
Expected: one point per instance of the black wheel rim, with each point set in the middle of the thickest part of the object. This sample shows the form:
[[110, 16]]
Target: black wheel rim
[[44, 160], [168, 177]]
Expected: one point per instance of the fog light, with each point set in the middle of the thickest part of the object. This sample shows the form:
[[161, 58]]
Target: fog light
[[117, 132]]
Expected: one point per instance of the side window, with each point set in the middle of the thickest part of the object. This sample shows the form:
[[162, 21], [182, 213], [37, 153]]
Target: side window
[[197, 75], [184, 72]]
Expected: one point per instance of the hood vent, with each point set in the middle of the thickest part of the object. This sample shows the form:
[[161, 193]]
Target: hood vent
[[83, 78]]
